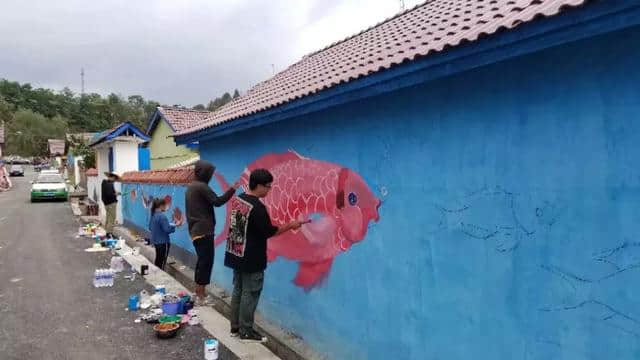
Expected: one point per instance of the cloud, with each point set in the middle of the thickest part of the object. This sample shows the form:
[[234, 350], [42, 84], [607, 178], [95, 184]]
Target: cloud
[[176, 52]]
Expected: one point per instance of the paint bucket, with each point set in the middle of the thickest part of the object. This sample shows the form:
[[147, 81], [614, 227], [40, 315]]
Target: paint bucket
[[211, 349], [170, 309], [133, 302]]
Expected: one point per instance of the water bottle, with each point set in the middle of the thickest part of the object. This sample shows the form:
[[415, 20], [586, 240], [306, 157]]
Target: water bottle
[[100, 278], [95, 278]]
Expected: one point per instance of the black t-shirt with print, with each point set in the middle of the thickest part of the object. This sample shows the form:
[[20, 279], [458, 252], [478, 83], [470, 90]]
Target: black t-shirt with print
[[250, 227]]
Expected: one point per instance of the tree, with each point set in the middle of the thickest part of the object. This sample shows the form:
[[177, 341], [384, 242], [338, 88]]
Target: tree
[[28, 132], [236, 94], [199, 107]]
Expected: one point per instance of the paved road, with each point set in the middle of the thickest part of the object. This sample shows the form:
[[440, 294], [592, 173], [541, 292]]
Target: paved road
[[49, 308]]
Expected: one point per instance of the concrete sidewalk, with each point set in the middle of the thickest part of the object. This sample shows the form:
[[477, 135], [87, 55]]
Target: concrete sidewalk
[[210, 319], [284, 344]]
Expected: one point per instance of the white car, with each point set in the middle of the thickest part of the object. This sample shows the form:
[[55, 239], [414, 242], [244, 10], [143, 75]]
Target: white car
[[50, 171], [49, 186]]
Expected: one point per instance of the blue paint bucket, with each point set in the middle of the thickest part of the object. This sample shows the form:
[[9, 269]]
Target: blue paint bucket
[[133, 302], [171, 309]]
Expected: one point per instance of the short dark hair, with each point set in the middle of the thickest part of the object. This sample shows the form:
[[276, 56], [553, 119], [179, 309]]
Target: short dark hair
[[259, 177]]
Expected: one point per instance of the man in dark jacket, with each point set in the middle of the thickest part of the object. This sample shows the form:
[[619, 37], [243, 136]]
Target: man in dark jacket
[[200, 200], [110, 201]]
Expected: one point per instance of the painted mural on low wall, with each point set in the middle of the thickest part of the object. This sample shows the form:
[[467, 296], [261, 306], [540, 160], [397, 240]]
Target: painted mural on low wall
[[336, 199]]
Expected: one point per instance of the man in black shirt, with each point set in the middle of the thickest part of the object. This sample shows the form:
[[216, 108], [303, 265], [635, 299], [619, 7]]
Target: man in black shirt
[[110, 200], [250, 227]]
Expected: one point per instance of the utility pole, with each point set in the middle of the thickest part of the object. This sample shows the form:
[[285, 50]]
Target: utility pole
[[81, 81]]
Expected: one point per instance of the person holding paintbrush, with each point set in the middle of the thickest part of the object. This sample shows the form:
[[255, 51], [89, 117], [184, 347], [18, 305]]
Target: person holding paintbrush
[[109, 197], [246, 253]]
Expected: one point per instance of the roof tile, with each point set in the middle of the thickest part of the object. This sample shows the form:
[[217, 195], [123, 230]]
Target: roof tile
[[180, 176], [181, 119], [56, 147], [427, 28]]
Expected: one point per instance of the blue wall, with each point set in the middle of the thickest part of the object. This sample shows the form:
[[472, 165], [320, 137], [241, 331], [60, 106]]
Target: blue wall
[[511, 202]]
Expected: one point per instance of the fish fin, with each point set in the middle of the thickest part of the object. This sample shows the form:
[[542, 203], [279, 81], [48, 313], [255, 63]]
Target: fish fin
[[297, 154], [271, 255], [311, 275], [269, 161]]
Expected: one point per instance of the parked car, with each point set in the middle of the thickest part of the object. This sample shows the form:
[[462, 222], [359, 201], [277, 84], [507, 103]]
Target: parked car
[[16, 170], [49, 171], [49, 186], [40, 167]]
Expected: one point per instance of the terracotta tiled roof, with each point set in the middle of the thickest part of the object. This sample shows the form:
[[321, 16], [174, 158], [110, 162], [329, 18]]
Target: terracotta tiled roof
[[428, 28], [181, 119], [1, 133], [92, 172], [182, 175], [56, 147]]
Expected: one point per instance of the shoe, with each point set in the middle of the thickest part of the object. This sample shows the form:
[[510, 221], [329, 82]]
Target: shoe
[[235, 332], [252, 336], [207, 301]]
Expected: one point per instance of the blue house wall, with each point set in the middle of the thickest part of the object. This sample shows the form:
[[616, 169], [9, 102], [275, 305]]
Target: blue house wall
[[509, 218]]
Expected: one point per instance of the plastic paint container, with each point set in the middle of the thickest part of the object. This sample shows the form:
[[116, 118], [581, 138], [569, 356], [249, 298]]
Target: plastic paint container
[[211, 349], [133, 302]]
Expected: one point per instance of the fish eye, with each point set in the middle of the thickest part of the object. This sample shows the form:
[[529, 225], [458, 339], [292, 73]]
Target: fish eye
[[353, 198]]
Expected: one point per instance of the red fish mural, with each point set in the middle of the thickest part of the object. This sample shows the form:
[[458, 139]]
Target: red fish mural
[[335, 198], [177, 215], [133, 195], [167, 200]]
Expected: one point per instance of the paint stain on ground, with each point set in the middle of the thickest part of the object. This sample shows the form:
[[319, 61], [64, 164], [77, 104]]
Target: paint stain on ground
[[15, 280]]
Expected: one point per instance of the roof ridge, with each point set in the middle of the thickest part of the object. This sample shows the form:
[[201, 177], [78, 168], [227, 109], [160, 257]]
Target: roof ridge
[[338, 42], [182, 109]]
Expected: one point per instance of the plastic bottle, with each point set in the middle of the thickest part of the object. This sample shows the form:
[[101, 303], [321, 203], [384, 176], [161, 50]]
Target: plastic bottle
[[95, 278], [211, 349], [101, 278], [109, 277]]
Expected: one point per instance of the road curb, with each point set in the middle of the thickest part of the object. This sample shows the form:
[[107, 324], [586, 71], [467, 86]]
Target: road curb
[[284, 344]]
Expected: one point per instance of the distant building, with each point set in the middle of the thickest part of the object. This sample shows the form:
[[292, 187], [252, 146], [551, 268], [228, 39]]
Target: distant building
[[166, 121], [117, 151]]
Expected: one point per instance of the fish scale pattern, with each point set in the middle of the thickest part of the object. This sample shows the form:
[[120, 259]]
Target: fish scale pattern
[[426, 29], [302, 187]]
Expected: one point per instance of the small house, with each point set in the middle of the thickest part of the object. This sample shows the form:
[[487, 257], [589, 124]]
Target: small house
[[166, 121], [117, 151]]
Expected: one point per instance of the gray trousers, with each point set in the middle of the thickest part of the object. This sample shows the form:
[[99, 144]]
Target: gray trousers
[[244, 301]]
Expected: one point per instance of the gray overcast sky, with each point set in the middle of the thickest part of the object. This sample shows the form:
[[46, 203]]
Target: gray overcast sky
[[173, 51]]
